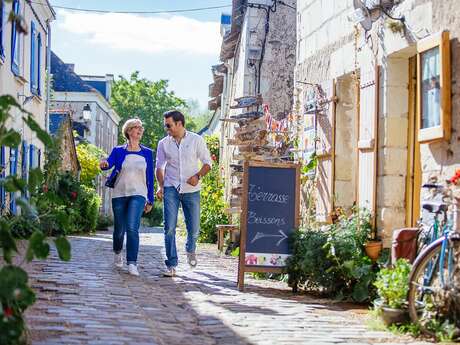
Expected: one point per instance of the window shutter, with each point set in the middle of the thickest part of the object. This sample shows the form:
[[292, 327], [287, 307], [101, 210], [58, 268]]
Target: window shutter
[[2, 28], [15, 41], [33, 82], [2, 175], [24, 160], [13, 171], [325, 151], [367, 140], [39, 62]]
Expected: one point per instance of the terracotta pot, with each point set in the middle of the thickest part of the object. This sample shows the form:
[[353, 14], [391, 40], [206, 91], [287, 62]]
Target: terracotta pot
[[373, 249]]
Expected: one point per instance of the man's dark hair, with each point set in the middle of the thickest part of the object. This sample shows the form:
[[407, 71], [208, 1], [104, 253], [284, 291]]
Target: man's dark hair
[[176, 115]]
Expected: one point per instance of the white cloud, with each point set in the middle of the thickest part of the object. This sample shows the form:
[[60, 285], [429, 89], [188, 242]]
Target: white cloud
[[153, 35]]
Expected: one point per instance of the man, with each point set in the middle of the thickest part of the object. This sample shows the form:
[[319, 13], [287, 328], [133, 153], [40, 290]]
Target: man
[[178, 175]]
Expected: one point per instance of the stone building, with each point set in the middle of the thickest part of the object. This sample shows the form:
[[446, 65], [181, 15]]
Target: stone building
[[23, 70], [258, 58], [87, 98], [378, 81]]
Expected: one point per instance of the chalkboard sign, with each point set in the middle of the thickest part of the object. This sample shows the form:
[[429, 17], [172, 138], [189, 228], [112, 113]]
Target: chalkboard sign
[[270, 213]]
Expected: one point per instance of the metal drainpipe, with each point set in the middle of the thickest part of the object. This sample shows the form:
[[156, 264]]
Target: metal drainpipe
[[48, 76]]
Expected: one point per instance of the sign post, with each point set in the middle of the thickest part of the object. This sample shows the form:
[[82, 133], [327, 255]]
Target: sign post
[[270, 213]]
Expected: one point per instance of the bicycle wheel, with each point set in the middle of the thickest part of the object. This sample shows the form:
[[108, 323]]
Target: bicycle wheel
[[428, 284]]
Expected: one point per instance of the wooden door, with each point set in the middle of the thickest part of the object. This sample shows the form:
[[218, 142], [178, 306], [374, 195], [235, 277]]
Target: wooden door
[[368, 137], [325, 151]]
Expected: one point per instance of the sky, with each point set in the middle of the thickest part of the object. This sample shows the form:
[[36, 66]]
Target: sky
[[179, 47]]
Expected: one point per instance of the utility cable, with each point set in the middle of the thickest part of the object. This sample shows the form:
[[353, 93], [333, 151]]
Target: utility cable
[[134, 12]]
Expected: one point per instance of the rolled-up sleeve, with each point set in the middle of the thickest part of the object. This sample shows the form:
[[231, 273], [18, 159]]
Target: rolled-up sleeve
[[161, 156], [203, 153]]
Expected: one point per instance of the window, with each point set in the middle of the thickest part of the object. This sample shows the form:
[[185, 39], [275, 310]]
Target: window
[[35, 49], [434, 88], [15, 42], [2, 28]]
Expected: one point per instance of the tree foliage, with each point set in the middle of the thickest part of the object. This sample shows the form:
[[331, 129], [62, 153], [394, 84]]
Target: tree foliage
[[147, 100]]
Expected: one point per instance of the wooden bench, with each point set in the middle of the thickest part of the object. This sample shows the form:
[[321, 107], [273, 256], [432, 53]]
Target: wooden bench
[[221, 229]]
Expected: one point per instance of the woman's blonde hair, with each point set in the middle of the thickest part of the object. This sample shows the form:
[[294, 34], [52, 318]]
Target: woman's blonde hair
[[131, 123]]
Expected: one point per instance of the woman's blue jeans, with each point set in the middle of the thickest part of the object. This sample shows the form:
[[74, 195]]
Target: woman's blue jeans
[[190, 203], [127, 212]]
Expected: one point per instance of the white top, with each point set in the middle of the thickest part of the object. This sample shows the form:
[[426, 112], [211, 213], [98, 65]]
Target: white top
[[181, 161], [132, 179]]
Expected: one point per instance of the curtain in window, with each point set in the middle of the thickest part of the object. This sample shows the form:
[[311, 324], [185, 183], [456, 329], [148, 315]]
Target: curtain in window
[[15, 42]]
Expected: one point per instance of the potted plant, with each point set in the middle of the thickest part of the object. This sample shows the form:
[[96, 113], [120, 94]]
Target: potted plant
[[392, 285], [373, 244]]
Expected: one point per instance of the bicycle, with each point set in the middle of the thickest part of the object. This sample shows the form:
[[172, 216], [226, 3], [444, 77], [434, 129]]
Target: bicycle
[[434, 282]]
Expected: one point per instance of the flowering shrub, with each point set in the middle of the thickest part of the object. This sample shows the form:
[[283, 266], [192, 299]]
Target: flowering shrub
[[89, 156], [212, 197]]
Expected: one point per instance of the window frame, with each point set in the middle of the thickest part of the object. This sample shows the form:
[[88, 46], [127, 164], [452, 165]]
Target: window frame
[[441, 41]]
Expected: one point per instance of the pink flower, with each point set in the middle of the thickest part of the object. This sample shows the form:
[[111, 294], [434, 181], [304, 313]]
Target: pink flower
[[213, 157], [73, 195]]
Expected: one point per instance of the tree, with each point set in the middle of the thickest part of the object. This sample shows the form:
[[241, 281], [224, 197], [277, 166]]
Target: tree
[[199, 116], [147, 100]]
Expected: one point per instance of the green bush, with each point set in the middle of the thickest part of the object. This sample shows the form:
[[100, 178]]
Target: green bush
[[212, 197], [155, 216], [103, 222], [67, 207], [332, 260], [22, 227]]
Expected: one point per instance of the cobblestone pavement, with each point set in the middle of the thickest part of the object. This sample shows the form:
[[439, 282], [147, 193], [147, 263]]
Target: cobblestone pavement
[[87, 301]]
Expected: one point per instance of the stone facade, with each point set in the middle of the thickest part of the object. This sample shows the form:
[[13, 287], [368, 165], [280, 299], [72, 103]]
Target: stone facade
[[331, 47], [260, 62], [30, 154]]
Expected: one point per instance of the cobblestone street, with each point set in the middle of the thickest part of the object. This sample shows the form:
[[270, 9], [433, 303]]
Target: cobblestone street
[[86, 301]]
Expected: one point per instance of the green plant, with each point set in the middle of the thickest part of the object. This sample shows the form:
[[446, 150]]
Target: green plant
[[212, 197], [89, 156], [393, 284], [331, 259], [103, 222], [155, 216], [15, 293]]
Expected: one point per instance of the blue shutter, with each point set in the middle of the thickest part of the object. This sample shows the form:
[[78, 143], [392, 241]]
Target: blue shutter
[[2, 175], [24, 161], [33, 76], [15, 42], [32, 157], [39, 63], [13, 171]]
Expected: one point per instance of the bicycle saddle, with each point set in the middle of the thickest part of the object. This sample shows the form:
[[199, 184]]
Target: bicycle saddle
[[433, 185], [434, 207]]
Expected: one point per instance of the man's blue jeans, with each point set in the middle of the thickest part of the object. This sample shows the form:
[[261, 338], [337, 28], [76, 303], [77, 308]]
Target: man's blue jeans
[[127, 212], [190, 203]]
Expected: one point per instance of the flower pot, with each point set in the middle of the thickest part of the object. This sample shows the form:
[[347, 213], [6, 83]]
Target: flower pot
[[391, 316], [373, 249], [394, 316]]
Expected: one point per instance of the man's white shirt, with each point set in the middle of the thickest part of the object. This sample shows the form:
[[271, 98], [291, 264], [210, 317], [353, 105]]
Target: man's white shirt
[[181, 161]]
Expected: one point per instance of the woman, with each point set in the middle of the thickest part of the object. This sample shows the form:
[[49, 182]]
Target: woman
[[132, 193]]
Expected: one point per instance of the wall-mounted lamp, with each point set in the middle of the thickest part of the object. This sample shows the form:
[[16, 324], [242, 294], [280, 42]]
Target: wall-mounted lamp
[[26, 100], [87, 112]]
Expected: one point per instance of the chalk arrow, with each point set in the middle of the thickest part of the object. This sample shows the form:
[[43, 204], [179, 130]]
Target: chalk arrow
[[260, 235]]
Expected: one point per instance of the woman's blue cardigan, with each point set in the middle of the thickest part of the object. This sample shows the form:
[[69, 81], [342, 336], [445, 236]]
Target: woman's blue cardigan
[[117, 157]]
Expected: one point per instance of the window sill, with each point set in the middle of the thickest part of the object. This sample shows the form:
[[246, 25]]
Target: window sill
[[20, 79]]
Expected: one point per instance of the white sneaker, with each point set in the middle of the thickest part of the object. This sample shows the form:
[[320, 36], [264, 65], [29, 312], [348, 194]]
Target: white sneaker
[[169, 272], [132, 269], [192, 261], [118, 260]]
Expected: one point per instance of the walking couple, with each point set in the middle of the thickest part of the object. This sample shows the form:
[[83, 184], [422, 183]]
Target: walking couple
[[178, 175]]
